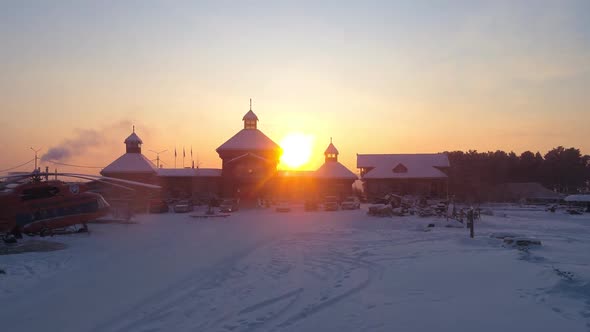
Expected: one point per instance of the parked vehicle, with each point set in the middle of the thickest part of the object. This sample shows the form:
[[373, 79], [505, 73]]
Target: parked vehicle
[[228, 205], [310, 205], [183, 207], [158, 206], [283, 206], [350, 203], [331, 203]]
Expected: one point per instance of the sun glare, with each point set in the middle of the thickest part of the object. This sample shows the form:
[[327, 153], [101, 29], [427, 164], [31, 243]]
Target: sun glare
[[296, 149]]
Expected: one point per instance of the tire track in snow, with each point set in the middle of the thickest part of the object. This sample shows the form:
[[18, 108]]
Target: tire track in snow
[[162, 304], [374, 271]]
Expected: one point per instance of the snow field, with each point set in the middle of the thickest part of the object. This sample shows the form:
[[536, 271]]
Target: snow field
[[259, 270]]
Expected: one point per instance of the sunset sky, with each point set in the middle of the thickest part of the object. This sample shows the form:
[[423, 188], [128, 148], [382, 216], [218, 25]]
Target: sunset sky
[[377, 76]]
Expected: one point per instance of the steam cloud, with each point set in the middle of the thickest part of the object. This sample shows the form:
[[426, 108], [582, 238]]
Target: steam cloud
[[83, 140]]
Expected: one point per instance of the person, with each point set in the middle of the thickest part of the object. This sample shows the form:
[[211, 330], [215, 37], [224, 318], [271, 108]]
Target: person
[[470, 216], [128, 213]]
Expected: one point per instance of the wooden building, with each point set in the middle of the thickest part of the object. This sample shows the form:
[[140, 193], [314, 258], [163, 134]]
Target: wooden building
[[404, 174], [249, 162], [333, 178], [249, 171], [132, 166]]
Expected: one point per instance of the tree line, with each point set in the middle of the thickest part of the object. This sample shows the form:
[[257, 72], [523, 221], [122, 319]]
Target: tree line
[[473, 173]]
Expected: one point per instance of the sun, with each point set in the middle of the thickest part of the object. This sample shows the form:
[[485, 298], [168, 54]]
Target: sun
[[296, 149]]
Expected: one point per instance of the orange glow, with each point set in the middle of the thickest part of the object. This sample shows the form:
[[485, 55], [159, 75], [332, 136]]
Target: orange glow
[[297, 150]]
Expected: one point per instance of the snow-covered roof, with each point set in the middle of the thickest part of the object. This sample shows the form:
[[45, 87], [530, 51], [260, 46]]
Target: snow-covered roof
[[250, 116], [130, 163], [417, 165], [249, 140], [331, 149], [189, 172], [334, 170], [577, 198], [133, 138]]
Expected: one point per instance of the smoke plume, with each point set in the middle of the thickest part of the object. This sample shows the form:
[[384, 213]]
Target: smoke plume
[[83, 140]]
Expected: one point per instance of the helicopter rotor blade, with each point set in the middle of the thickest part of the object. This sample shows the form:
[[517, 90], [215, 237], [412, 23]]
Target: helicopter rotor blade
[[97, 177], [104, 179]]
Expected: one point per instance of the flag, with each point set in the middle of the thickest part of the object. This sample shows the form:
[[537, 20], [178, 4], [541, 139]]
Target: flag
[[191, 152], [183, 154], [174, 152]]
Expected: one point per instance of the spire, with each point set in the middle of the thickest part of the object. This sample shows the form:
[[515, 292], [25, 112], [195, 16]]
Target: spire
[[250, 118], [133, 143], [331, 152]]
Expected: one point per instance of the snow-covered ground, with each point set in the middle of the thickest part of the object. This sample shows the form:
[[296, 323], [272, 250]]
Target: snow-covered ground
[[260, 270]]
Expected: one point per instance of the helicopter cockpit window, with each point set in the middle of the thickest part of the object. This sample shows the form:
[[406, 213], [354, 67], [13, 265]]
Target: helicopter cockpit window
[[39, 193]]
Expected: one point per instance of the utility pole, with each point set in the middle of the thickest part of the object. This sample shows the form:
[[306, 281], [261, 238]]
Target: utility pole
[[158, 156], [36, 151]]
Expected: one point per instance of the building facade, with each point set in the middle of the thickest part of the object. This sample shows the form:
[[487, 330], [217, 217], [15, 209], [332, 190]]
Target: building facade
[[404, 174], [249, 171]]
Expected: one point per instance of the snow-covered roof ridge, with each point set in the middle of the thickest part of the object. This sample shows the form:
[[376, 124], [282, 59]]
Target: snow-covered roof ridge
[[334, 170], [189, 172], [133, 138], [423, 165], [249, 140], [130, 163], [250, 116]]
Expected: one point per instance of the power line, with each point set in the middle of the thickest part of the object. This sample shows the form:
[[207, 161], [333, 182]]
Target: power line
[[11, 168], [80, 166]]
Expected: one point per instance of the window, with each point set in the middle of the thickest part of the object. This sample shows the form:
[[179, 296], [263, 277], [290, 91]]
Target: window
[[400, 168], [39, 193], [250, 124]]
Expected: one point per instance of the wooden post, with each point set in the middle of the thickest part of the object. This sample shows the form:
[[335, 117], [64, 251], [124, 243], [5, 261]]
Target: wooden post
[[471, 222]]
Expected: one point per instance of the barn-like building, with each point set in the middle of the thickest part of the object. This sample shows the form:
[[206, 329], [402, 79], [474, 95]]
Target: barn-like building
[[404, 174], [249, 172]]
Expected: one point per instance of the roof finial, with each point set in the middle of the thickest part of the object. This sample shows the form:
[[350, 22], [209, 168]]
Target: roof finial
[[250, 104], [330, 140], [133, 128]]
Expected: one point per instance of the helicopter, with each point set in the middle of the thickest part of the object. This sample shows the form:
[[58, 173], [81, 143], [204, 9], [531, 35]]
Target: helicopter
[[32, 204]]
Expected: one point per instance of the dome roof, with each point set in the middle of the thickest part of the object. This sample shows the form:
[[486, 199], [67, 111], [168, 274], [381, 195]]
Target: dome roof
[[249, 140], [331, 149], [334, 170], [250, 116], [133, 138], [130, 163]]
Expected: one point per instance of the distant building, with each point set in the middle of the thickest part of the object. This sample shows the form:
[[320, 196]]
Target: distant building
[[250, 162], [197, 183], [249, 171], [404, 174], [523, 192], [330, 179], [333, 178], [133, 165]]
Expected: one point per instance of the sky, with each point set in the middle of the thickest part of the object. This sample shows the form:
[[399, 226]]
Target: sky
[[377, 76]]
